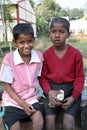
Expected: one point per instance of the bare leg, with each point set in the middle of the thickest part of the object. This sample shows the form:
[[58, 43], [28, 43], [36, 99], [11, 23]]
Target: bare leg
[[50, 122], [37, 121], [68, 122], [16, 126]]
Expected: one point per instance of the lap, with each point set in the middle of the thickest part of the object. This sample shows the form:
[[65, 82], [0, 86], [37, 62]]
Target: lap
[[13, 114], [73, 110]]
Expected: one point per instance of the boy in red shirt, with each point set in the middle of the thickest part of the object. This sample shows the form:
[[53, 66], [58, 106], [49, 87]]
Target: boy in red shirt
[[62, 70]]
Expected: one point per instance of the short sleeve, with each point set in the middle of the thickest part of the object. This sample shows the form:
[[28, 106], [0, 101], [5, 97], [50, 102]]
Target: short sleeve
[[40, 70], [6, 74]]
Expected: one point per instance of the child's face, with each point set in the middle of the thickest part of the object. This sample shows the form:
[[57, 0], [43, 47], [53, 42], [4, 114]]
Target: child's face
[[25, 44], [58, 35]]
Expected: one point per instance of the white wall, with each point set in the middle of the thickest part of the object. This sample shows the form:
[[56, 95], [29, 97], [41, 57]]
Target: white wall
[[77, 26]]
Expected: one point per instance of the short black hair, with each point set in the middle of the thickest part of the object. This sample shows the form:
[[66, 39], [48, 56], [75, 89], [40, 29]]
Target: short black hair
[[61, 20], [22, 28]]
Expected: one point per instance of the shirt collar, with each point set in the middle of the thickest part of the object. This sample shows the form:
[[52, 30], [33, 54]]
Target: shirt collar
[[19, 60]]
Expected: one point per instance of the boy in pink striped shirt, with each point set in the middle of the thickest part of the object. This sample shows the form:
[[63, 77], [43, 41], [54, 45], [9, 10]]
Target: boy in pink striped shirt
[[19, 73]]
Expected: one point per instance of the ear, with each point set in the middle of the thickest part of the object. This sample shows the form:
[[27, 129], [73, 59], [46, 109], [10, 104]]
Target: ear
[[14, 42], [68, 35]]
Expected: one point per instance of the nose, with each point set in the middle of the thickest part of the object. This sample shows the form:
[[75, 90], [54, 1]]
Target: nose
[[26, 44], [57, 34]]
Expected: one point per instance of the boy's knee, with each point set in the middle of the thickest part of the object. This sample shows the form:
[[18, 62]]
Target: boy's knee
[[50, 126], [69, 125], [68, 122], [40, 123]]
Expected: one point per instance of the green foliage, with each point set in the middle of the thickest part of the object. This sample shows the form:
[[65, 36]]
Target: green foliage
[[4, 44], [76, 13], [48, 9], [63, 13], [8, 12], [42, 26], [6, 47], [44, 12]]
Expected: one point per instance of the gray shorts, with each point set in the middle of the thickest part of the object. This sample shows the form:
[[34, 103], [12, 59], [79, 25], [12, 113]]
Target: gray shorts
[[67, 88], [13, 114]]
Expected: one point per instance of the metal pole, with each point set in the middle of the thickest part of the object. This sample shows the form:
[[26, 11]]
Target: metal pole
[[3, 19], [2, 16]]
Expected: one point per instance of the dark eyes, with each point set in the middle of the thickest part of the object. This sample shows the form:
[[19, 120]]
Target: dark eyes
[[23, 42], [53, 31], [57, 31]]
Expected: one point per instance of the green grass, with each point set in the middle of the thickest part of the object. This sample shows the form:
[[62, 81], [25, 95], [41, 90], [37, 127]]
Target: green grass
[[82, 46], [42, 43]]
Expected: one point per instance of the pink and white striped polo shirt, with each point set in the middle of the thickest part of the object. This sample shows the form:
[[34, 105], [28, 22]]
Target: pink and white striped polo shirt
[[23, 77]]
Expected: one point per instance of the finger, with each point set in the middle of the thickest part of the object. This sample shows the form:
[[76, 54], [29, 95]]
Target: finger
[[31, 112], [59, 103], [64, 107], [51, 105], [31, 108], [27, 113]]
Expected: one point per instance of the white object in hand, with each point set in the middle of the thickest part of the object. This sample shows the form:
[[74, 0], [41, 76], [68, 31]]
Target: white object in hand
[[61, 95]]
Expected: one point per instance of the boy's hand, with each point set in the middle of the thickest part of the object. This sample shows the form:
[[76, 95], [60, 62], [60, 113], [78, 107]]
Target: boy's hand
[[28, 108], [53, 98], [67, 102]]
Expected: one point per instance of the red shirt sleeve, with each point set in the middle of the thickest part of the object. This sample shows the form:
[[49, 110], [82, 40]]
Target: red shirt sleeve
[[43, 80], [79, 77]]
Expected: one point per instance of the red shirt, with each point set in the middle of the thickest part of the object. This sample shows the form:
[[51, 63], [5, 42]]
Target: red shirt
[[66, 70]]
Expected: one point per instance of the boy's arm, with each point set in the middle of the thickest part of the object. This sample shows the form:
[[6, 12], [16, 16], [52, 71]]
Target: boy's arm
[[43, 81], [79, 78], [26, 107], [13, 94]]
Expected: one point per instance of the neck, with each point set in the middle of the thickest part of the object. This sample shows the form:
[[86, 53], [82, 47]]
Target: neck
[[61, 47]]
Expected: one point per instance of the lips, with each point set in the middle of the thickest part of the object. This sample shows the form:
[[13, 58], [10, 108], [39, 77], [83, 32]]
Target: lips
[[57, 41], [26, 51]]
